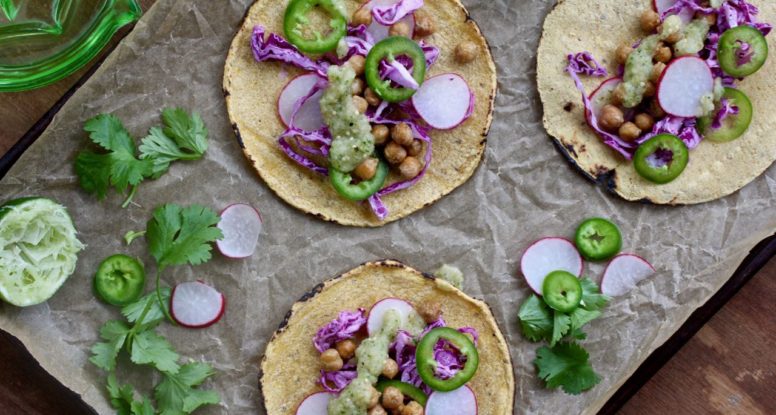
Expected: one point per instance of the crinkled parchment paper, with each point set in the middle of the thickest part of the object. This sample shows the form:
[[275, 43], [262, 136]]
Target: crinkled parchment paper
[[523, 190]]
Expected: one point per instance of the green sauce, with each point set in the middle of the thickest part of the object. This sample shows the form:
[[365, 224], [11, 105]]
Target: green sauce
[[352, 134], [450, 274], [694, 37]]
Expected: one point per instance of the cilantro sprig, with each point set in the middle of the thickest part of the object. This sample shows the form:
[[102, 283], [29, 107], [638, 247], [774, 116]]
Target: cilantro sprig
[[183, 137], [564, 363]]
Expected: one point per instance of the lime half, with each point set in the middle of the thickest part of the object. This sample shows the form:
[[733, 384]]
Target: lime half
[[38, 250]]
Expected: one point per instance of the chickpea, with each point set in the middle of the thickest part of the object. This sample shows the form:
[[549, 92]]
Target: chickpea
[[402, 134], [618, 96], [366, 171], [663, 54], [392, 398], [377, 410], [358, 86], [374, 400], [391, 368], [399, 29], [465, 52], [424, 26], [629, 132], [656, 110], [622, 54], [371, 97], [650, 90], [611, 118], [362, 16], [657, 71], [360, 103], [650, 20], [331, 360], [710, 18], [409, 168], [415, 148], [398, 410], [412, 408], [346, 348], [394, 153], [429, 310], [380, 133], [674, 37], [358, 63], [645, 122]]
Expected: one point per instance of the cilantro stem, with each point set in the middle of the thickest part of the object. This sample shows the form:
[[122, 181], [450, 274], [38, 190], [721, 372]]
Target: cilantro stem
[[159, 296], [129, 198]]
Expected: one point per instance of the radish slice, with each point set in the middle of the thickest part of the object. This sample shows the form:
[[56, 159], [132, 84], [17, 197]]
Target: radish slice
[[683, 83], [547, 255], [623, 273], [661, 6], [444, 101], [196, 304], [458, 402], [241, 226], [309, 117], [380, 32], [374, 321], [601, 97], [315, 404]]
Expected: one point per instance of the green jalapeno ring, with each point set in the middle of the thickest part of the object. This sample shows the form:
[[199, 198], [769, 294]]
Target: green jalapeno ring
[[426, 363], [342, 183], [664, 173], [296, 15], [410, 391], [389, 48], [734, 125]]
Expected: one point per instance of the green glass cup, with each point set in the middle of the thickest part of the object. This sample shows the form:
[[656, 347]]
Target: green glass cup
[[43, 41]]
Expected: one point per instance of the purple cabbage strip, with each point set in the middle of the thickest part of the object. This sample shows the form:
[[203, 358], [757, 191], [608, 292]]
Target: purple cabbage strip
[[359, 42], [389, 15], [684, 128], [727, 109], [344, 327], [584, 63], [431, 52], [300, 159], [686, 4], [275, 48], [335, 382], [398, 73]]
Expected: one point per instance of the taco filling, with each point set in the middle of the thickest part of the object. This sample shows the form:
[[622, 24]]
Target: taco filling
[[365, 107], [676, 86], [393, 359]]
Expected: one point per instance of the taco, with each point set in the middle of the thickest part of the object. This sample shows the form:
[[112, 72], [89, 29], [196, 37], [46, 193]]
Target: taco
[[388, 334], [675, 94], [377, 114]]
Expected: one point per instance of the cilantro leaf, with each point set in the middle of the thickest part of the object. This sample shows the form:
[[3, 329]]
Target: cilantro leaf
[[121, 397], [177, 236], [189, 132], [580, 317], [155, 314], [143, 408], [151, 348], [162, 150], [176, 393], [592, 299], [566, 365], [535, 319], [104, 354], [560, 326]]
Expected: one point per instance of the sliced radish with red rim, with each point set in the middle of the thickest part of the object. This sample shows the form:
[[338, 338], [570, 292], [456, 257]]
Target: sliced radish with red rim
[[623, 273], [196, 304], [683, 84], [461, 401], [379, 31], [601, 97], [374, 321], [315, 404], [661, 6], [444, 101], [241, 225], [547, 255], [309, 117]]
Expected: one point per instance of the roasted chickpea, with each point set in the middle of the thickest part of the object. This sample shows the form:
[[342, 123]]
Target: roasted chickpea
[[663, 54], [674, 37], [358, 63], [650, 20], [618, 96], [644, 122], [429, 310], [392, 398], [331, 360], [371, 97], [398, 410], [399, 29], [362, 16], [394, 153], [409, 168], [347, 348], [622, 54], [374, 400], [629, 132], [380, 133], [415, 148], [401, 133], [391, 368], [358, 86], [710, 18], [377, 410], [465, 52], [360, 103], [412, 408], [611, 118], [366, 171], [650, 91], [657, 71], [424, 26], [656, 110]]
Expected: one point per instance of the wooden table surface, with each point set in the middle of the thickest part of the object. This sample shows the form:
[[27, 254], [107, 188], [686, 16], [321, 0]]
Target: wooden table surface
[[728, 367]]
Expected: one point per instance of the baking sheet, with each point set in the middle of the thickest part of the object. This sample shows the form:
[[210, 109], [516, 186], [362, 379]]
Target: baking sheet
[[523, 190]]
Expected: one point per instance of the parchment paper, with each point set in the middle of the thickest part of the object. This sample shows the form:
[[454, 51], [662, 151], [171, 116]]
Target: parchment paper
[[523, 190]]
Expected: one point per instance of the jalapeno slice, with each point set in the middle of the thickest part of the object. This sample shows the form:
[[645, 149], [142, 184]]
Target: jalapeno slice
[[732, 126], [661, 159], [427, 364], [742, 51], [296, 19], [119, 280], [410, 391], [562, 291], [343, 183], [598, 239], [389, 49]]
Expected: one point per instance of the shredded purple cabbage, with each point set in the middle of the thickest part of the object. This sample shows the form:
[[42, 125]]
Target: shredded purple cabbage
[[389, 15], [344, 327], [335, 382], [684, 128], [727, 109], [584, 63], [431, 52], [275, 48], [681, 5], [359, 42], [398, 73]]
